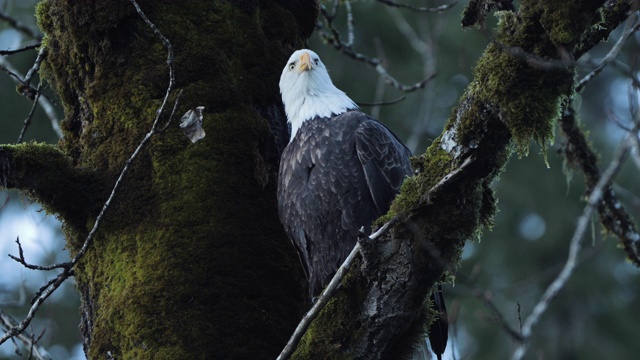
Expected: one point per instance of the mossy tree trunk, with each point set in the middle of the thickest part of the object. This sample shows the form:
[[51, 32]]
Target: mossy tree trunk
[[191, 261]]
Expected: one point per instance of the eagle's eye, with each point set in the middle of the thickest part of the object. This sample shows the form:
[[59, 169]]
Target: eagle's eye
[[292, 66], [316, 61]]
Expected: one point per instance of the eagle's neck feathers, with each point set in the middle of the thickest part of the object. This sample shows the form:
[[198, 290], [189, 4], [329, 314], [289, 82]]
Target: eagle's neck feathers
[[303, 107]]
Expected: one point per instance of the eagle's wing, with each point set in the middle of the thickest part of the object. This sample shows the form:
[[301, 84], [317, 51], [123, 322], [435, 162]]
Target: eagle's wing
[[385, 161]]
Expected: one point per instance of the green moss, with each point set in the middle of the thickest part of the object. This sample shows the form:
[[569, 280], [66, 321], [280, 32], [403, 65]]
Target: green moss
[[339, 315], [48, 177], [527, 86]]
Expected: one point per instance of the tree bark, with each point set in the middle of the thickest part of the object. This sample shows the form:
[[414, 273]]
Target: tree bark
[[191, 260]]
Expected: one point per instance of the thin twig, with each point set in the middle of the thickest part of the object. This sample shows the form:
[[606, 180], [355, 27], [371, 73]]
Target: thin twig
[[67, 272], [42, 54], [612, 213], [625, 70], [497, 315], [380, 103], [10, 72], [20, 259], [350, 36], [27, 121], [440, 8], [19, 328], [51, 281], [330, 33], [36, 351], [574, 250], [26, 48], [44, 103]]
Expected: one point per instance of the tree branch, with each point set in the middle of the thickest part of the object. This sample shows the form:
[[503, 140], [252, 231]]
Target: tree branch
[[330, 33], [26, 48], [574, 250], [614, 12], [631, 25], [30, 342], [44, 103], [328, 292], [381, 301], [612, 213], [27, 121], [34, 168]]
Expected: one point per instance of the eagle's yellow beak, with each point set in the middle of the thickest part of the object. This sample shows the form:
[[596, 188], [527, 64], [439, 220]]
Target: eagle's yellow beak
[[305, 62]]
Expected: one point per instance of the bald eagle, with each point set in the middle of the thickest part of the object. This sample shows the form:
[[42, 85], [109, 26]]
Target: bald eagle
[[340, 171]]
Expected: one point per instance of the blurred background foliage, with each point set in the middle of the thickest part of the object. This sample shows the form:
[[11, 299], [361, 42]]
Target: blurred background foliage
[[594, 317]]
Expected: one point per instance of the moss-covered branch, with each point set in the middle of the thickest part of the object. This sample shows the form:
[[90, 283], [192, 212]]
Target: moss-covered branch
[[47, 175], [380, 309]]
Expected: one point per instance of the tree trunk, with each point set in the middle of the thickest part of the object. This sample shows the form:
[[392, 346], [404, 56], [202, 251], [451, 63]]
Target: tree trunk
[[191, 260]]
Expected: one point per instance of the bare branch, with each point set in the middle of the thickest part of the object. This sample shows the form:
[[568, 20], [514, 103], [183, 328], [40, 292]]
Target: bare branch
[[330, 34], [574, 250], [380, 103], [403, 25], [145, 140], [26, 89], [612, 214], [27, 121], [44, 103], [350, 36], [611, 14], [24, 263], [26, 48], [35, 351]]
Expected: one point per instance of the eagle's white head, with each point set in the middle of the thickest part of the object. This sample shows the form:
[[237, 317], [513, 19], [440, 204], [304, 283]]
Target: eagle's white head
[[307, 90]]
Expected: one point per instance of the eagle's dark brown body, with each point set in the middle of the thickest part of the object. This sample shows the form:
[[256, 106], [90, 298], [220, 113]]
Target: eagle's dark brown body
[[337, 175]]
